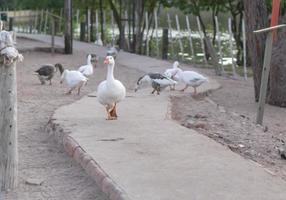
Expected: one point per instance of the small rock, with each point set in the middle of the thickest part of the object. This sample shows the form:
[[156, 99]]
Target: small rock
[[34, 181], [241, 145], [200, 116]]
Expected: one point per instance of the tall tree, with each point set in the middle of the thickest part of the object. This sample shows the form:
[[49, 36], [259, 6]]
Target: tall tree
[[256, 17]]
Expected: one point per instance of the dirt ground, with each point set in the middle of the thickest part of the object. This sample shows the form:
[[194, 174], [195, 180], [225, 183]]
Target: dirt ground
[[41, 159], [228, 115]]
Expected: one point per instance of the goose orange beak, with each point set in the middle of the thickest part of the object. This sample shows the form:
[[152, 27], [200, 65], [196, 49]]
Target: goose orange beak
[[106, 61]]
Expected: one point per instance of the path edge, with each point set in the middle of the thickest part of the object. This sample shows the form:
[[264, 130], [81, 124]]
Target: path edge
[[92, 168]]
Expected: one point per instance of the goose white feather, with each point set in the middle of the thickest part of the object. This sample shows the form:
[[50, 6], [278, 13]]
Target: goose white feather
[[87, 70], [110, 91], [74, 79], [191, 78]]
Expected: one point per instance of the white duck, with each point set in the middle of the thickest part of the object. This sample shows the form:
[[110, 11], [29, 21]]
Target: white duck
[[191, 78], [74, 79], [110, 91], [87, 70], [172, 73]]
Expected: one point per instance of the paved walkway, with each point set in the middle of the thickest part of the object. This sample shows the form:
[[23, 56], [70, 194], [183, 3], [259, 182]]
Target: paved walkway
[[146, 156]]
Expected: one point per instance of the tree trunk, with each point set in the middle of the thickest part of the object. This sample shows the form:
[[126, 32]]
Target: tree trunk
[[101, 21], [68, 26], [277, 80], [256, 18]]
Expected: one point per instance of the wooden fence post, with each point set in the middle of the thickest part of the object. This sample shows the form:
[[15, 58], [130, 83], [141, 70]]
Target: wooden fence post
[[244, 49], [156, 31], [190, 37], [52, 35], [202, 39], [165, 44], [219, 43], [231, 48], [8, 126], [180, 39], [170, 34], [147, 34]]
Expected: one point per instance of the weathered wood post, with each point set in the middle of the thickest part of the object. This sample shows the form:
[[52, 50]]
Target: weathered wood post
[[147, 34], [231, 48], [165, 44], [52, 35], [190, 37], [82, 31], [180, 37], [219, 43], [202, 40], [11, 20], [244, 49], [156, 31], [170, 34], [8, 115]]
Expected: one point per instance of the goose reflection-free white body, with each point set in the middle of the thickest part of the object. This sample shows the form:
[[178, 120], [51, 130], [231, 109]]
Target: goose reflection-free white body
[[110, 91]]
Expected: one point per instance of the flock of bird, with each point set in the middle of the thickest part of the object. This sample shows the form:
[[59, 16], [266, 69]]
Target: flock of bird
[[111, 91]]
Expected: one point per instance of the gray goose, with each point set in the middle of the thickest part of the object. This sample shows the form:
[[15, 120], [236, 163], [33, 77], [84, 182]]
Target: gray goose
[[47, 72]]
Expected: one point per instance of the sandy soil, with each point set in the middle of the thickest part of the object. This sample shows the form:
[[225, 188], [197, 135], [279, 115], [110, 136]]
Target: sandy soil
[[41, 159], [228, 115]]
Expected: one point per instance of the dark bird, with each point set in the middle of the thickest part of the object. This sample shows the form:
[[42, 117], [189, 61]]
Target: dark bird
[[47, 72]]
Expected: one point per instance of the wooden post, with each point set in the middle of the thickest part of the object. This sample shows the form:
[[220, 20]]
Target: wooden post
[[219, 43], [36, 20], [202, 39], [244, 49], [156, 31], [52, 36], [82, 31], [41, 20], [46, 21], [11, 20], [60, 20], [170, 34], [97, 26], [190, 36], [180, 39], [231, 48], [147, 34], [68, 26], [88, 25], [165, 44], [126, 27], [112, 27], [8, 127]]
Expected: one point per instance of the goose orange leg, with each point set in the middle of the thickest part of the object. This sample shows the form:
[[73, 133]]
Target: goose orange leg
[[110, 112]]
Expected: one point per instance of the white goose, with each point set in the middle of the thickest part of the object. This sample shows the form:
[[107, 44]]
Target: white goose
[[87, 70], [172, 73], [110, 91], [191, 78], [74, 79]]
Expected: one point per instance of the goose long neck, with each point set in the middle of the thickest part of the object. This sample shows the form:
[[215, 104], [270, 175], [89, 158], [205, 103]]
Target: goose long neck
[[110, 69], [89, 60]]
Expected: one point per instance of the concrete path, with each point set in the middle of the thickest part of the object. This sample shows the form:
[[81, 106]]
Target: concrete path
[[145, 155]]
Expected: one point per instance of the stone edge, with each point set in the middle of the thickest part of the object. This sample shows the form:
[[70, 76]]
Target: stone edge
[[92, 168]]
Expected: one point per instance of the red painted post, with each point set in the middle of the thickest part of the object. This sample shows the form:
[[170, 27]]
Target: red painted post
[[275, 16]]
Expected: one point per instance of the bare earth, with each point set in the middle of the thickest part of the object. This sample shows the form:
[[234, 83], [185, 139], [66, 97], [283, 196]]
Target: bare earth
[[41, 160], [228, 115]]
